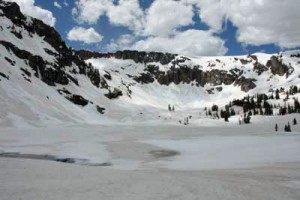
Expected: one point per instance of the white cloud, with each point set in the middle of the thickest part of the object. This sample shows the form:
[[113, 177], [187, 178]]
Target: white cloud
[[123, 42], [57, 5], [162, 18], [159, 26], [66, 3], [86, 36], [127, 13], [191, 42], [258, 21], [165, 16], [28, 8], [90, 11]]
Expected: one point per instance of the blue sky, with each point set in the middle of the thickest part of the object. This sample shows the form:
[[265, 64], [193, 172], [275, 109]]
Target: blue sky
[[202, 27]]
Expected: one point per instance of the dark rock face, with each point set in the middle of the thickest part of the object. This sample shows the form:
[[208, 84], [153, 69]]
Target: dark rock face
[[245, 83], [12, 11], [77, 99], [144, 78], [10, 61], [65, 56], [4, 76], [277, 67], [137, 56], [100, 109], [48, 75], [114, 94], [297, 55], [107, 75], [186, 75], [259, 68]]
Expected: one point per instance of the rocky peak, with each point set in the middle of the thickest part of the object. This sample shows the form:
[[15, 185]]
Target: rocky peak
[[54, 72]]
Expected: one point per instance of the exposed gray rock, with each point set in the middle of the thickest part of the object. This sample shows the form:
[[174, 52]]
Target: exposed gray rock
[[277, 67], [245, 83], [77, 99], [114, 94], [259, 68], [137, 56], [100, 109]]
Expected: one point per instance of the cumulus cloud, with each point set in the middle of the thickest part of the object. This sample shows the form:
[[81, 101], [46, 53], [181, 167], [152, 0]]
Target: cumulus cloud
[[90, 11], [165, 16], [191, 42], [127, 13], [258, 21], [28, 8], [57, 5], [86, 36], [123, 42]]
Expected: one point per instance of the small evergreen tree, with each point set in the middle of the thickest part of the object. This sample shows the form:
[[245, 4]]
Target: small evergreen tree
[[232, 112], [294, 121], [169, 107], [276, 127], [226, 115], [247, 119], [287, 128], [277, 94]]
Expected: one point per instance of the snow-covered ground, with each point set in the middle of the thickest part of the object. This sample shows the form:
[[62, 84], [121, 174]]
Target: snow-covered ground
[[131, 147], [210, 162]]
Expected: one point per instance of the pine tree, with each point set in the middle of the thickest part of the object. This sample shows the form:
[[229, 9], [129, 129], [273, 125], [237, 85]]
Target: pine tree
[[226, 116], [287, 128], [247, 119], [276, 127], [277, 94], [232, 112], [294, 121]]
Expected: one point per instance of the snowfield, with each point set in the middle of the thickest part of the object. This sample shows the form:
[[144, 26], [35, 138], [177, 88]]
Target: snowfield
[[133, 162]]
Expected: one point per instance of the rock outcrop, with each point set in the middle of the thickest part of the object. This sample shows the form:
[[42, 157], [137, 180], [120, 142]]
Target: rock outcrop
[[186, 75], [50, 73], [277, 67], [137, 56]]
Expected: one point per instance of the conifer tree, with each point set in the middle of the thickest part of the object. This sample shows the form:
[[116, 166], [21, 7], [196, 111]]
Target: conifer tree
[[294, 121], [287, 127], [277, 94]]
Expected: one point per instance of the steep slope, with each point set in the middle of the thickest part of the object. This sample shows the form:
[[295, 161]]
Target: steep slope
[[45, 82]]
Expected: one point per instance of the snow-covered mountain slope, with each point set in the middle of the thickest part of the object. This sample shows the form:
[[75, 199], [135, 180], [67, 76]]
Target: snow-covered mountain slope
[[44, 82], [198, 82]]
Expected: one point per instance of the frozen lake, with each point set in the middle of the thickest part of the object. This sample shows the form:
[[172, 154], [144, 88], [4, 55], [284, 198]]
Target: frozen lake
[[146, 147]]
